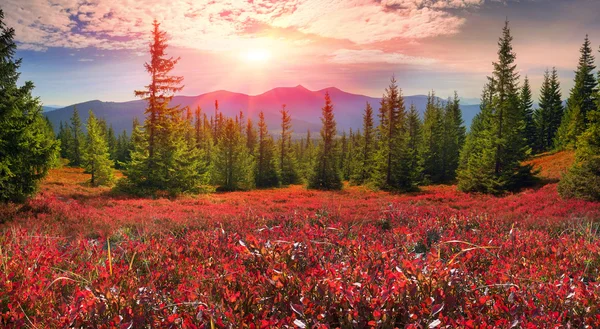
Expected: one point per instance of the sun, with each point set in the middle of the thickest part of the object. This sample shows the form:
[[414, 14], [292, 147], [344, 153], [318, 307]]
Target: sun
[[257, 55]]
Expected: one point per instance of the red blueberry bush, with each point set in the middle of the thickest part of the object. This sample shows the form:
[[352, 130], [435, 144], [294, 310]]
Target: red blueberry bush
[[76, 257]]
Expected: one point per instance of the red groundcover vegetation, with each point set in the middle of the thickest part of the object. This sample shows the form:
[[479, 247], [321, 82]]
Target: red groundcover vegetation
[[292, 258]]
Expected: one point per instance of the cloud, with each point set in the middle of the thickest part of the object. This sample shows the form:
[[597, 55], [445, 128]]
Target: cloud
[[222, 25], [85, 60], [349, 56]]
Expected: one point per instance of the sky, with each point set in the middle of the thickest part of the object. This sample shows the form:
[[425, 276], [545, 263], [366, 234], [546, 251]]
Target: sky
[[80, 50]]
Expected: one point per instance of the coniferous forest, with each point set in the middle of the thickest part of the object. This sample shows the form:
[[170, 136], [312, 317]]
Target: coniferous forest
[[197, 219]]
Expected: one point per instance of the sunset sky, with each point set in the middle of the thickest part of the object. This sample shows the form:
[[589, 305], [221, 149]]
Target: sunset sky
[[79, 50]]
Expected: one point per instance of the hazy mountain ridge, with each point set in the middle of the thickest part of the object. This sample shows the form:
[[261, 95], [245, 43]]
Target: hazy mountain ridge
[[304, 106]]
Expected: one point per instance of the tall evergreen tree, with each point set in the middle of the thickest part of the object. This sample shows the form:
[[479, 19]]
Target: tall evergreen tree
[[326, 175], [96, 155], [582, 181], [251, 136], [491, 162], [78, 141], [266, 174], [548, 115], [415, 133], [526, 102], [171, 162], [392, 170], [122, 157], [233, 165], [26, 149], [366, 151], [65, 137], [581, 99], [308, 157], [287, 161], [431, 147], [454, 138]]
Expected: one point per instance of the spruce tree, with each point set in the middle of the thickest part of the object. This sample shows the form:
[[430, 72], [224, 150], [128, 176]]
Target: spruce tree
[[171, 162], [26, 149], [265, 172], [365, 154], [251, 137], [415, 132], [287, 161], [491, 160], [233, 165], [526, 102], [96, 155], [122, 150], [454, 138], [326, 175], [582, 181], [65, 137], [431, 147], [548, 115], [581, 99], [393, 170], [78, 141], [308, 157]]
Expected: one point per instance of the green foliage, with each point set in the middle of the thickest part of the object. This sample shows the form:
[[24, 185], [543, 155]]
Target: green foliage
[[326, 175], [496, 146], [548, 116], [581, 99], [163, 155], [453, 139], [430, 150], [392, 163], [365, 154], [77, 142], [265, 172], [287, 161], [96, 156], [415, 135], [526, 103], [122, 149], [232, 162], [27, 148], [582, 181]]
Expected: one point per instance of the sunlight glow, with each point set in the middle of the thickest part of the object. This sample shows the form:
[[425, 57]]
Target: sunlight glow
[[256, 55]]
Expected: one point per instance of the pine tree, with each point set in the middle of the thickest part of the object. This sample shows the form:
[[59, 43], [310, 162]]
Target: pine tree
[[26, 149], [548, 116], [265, 172], [365, 155], [581, 99], [393, 171], [65, 137], [122, 150], [526, 102], [171, 162], [326, 175], [96, 156], [582, 181], [251, 136], [233, 165], [287, 161], [491, 160], [415, 133], [454, 138], [430, 149], [308, 157], [78, 141]]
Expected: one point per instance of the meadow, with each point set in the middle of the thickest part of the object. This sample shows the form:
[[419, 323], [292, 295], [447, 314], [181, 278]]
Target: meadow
[[79, 257]]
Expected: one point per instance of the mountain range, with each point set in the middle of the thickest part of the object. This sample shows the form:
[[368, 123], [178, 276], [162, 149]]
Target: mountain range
[[304, 106]]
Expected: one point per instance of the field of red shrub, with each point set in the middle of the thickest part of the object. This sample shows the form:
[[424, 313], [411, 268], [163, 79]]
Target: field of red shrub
[[77, 257]]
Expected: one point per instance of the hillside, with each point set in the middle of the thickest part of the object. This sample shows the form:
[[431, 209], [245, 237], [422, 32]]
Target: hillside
[[304, 105]]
